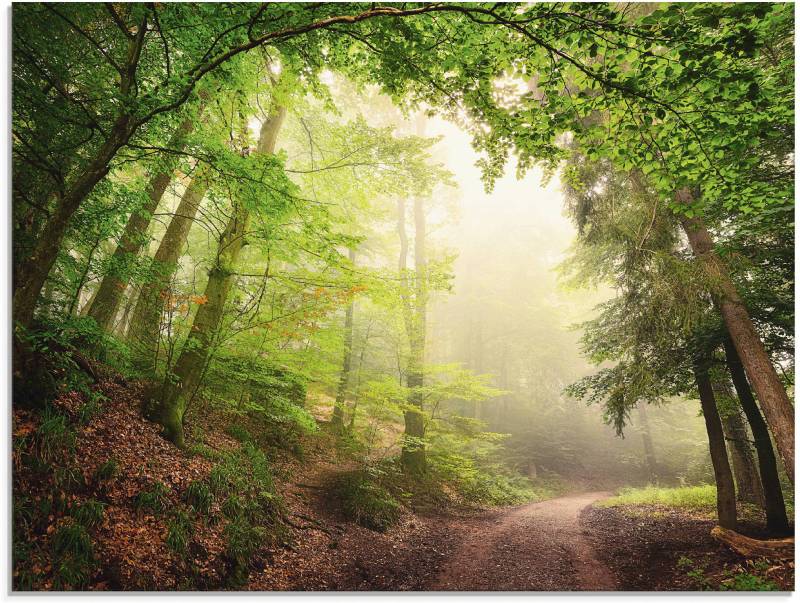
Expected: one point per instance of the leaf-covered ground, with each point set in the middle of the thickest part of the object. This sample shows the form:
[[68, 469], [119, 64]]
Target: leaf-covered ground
[[68, 461], [659, 548]]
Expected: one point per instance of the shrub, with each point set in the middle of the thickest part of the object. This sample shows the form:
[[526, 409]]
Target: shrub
[[243, 540], [89, 514], [748, 582], [199, 497], [366, 502], [154, 500]]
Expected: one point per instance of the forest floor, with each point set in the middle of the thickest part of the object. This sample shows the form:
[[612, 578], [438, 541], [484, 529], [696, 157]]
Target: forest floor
[[561, 544]]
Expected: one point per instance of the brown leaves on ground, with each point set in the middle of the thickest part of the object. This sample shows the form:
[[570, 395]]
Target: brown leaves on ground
[[645, 544]]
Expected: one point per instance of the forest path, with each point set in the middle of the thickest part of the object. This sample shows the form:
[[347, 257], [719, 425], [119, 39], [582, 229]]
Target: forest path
[[539, 546]]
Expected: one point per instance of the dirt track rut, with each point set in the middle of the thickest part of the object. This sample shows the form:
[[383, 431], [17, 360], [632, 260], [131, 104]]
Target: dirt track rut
[[539, 546]]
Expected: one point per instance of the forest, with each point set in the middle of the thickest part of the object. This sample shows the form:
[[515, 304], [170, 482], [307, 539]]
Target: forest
[[411, 296]]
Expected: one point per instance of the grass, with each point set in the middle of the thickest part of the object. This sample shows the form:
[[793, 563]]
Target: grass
[[365, 501], [54, 437], [73, 556], [154, 500], [698, 498], [199, 497], [107, 470], [179, 530], [89, 514]]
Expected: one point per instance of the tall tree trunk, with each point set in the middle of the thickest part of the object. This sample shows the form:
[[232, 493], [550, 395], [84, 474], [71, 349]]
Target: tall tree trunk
[[108, 297], [413, 454], [143, 333], [726, 492], [740, 450], [187, 373], [337, 420], [760, 371], [169, 408], [32, 271], [354, 409], [767, 464], [647, 442]]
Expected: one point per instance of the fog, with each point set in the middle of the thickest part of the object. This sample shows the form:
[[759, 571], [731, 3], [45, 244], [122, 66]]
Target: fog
[[509, 316]]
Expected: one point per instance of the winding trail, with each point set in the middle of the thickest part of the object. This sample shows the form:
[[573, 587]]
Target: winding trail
[[535, 547]]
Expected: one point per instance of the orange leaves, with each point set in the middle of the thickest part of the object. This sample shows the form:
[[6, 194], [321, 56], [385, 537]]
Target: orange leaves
[[181, 303]]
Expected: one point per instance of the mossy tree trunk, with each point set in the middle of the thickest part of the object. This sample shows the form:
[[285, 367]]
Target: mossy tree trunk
[[112, 288], [169, 406], [145, 325], [413, 454], [740, 450], [761, 373]]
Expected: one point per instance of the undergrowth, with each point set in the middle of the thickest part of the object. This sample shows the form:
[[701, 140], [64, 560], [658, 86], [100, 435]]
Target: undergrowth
[[365, 501], [748, 576]]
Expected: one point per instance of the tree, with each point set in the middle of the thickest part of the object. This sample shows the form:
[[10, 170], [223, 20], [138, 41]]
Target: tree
[[337, 420], [726, 491], [773, 496], [107, 298], [169, 407], [146, 321]]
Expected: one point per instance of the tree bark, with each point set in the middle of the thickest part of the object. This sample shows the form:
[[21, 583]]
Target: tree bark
[[740, 451], [775, 403], [32, 271], [143, 333], [750, 547], [111, 290], [337, 420], [774, 505], [726, 492], [169, 409]]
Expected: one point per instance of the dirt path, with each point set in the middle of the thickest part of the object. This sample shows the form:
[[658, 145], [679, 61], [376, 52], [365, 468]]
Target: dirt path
[[538, 547]]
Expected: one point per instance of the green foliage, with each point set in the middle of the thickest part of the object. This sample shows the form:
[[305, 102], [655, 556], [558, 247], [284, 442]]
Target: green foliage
[[747, 577], [239, 433], [700, 498], [199, 497], [155, 499], [179, 531], [365, 501], [54, 437], [243, 540], [106, 470], [89, 514], [748, 582], [73, 555], [252, 507]]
